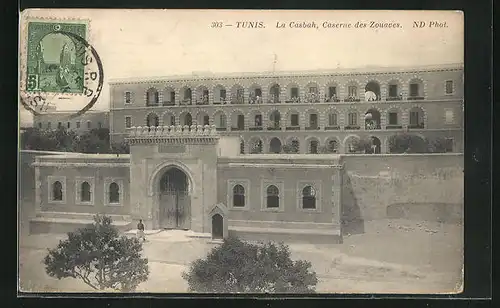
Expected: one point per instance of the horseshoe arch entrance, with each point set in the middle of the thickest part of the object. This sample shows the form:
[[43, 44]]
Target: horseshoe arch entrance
[[174, 200]]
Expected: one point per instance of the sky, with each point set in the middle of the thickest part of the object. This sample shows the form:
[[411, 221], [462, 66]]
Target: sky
[[143, 43]]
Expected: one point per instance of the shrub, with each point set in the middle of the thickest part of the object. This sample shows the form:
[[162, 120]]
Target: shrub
[[100, 257], [237, 266]]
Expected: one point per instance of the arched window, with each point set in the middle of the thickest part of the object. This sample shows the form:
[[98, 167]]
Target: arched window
[[114, 193], [57, 193], [308, 198], [85, 192], [273, 197], [238, 196]]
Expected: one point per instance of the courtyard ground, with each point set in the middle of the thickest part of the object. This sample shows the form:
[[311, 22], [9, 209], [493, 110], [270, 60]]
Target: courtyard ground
[[391, 256]]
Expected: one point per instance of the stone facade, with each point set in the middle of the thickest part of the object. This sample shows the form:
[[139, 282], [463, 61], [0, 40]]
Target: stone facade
[[428, 101]]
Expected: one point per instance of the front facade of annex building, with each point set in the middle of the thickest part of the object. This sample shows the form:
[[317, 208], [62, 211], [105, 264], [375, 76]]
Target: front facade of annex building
[[206, 152]]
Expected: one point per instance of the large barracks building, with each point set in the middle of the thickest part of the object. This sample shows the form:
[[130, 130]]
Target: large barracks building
[[261, 153]]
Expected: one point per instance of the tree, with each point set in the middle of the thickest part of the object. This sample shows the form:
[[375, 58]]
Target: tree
[[100, 257], [237, 266]]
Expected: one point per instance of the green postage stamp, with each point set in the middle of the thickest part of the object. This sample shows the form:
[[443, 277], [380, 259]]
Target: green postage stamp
[[53, 61]]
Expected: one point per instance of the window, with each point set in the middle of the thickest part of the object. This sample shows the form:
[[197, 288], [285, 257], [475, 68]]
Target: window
[[258, 120], [187, 93], [313, 149], [295, 92], [223, 93], [332, 119], [85, 193], [448, 145], [308, 198], [353, 118], [222, 118], [449, 116], [353, 91], [128, 122], [49, 125], [78, 124], [40, 125], [332, 146], [127, 97], [449, 86], [242, 147], [57, 191], [393, 90], [89, 125], [393, 118], [114, 193], [414, 118], [206, 120], [313, 90], [273, 197], [172, 96], [69, 124], [238, 196], [100, 125], [414, 89], [294, 120], [59, 124], [332, 91], [313, 120], [258, 92]]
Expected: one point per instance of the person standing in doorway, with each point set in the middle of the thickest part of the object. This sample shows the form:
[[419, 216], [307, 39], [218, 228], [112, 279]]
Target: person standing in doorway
[[140, 230]]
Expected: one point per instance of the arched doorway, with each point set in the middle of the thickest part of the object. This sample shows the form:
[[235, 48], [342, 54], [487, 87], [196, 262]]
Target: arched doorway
[[175, 202], [275, 146], [217, 227]]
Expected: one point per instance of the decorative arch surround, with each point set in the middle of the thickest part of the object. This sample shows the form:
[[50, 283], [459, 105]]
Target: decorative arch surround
[[234, 92], [166, 98], [273, 123], [355, 96], [406, 114], [423, 83], [275, 144], [151, 113], [201, 121], [216, 93], [154, 178], [182, 117], [251, 114], [312, 97], [400, 91], [217, 120], [152, 96], [359, 118], [399, 119], [288, 117], [377, 119], [252, 93], [253, 142], [332, 97], [328, 147], [245, 183], [346, 143], [316, 193], [200, 97], [274, 97], [185, 100], [310, 148], [326, 118], [293, 97], [235, 124], [168, 115], [368, 83], [309, 121]]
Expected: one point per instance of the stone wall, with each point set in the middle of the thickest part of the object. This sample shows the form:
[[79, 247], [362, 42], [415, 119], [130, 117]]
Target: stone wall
[[414, 186]]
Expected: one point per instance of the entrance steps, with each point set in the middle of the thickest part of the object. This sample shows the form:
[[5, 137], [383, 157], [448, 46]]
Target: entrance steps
[[63, 222]]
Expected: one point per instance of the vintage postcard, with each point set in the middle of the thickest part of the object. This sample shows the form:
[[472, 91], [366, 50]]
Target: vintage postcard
[[233, 151]]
